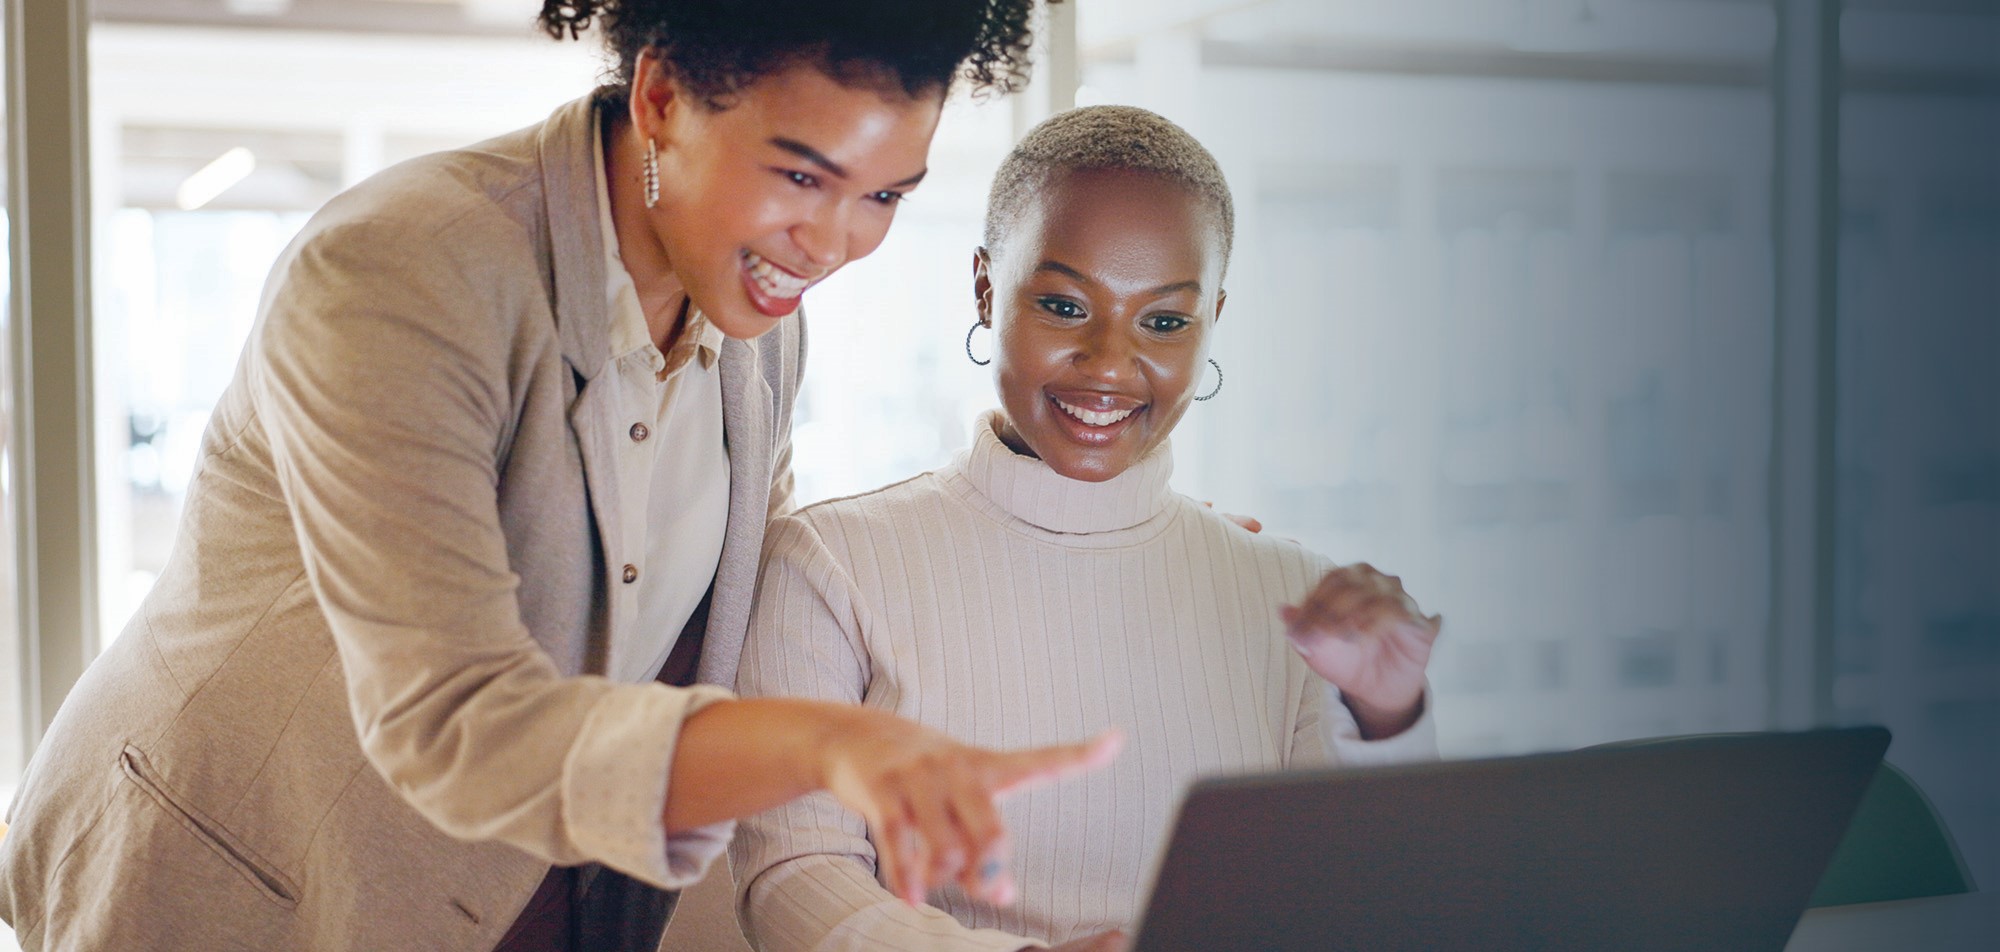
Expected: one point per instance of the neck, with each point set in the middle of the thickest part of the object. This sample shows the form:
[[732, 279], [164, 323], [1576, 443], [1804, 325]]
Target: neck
[[661, 294], [1003, 427], [1027, 489]]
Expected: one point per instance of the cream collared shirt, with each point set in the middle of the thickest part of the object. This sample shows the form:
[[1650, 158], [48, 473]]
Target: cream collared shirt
[[673, 468]]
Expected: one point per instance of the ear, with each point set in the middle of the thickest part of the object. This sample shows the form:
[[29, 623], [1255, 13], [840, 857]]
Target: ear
[[655, 97], [1221, 298], [982, 285]]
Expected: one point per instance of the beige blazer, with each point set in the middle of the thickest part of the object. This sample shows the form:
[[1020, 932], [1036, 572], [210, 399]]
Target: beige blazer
[[356, 711]]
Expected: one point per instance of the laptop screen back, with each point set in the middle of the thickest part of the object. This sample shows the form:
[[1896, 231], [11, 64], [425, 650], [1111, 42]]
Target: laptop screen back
[[1708, 842]]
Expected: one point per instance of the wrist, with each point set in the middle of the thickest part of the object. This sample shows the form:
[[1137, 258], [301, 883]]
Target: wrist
[[834, 728], [1381, 721], [816, 756]]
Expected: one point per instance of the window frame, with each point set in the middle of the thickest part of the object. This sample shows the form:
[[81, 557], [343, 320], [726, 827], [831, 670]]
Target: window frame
[[51, 465]]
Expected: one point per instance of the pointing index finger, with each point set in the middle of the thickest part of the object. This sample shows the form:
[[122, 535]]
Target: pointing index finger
[[1021, 770]]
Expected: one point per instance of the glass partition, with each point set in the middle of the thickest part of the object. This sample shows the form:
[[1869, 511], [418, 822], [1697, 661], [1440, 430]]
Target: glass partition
[[1500, 322], [1917, 616]]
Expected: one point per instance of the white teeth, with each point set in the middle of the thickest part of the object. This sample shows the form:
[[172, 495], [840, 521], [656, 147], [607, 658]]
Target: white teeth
[[775, 281], [1093, 417]]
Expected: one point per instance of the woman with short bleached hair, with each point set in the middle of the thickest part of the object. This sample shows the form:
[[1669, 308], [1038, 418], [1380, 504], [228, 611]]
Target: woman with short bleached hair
[[1049, 582]]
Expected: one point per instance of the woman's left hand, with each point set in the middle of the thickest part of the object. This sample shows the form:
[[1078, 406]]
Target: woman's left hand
[[1247, 522], [1359, 630]]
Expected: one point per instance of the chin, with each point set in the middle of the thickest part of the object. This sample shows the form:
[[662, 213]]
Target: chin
[[742, 321], [1088, 469]]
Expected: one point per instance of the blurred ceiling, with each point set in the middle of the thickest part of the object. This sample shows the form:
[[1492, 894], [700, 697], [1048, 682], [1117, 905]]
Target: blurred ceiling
[[456, 17]]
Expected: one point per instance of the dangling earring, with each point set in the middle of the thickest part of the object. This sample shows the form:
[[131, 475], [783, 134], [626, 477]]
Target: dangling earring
[[652, 173], [1218, 381], [976, 325]]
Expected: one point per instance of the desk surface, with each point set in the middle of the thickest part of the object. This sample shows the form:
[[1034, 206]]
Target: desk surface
[[1969, 922]]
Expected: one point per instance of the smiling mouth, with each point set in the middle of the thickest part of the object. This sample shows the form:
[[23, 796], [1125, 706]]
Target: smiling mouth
[[1094, 417], [773, 280]]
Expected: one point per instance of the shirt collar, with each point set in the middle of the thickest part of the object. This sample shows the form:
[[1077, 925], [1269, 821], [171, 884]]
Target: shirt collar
[[700, 340]]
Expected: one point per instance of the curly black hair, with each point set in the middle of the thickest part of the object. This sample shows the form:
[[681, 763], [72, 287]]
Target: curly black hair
[[716, 48]]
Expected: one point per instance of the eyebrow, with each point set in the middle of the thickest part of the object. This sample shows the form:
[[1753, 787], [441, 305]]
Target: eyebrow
[[831, 167], [1057, 267]]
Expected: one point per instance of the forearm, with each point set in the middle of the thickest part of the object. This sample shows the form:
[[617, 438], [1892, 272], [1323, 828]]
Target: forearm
[[823, 902], [742, 757]]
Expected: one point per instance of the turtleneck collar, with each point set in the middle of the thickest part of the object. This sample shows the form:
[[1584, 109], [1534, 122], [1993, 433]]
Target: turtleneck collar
[[1027, 489]]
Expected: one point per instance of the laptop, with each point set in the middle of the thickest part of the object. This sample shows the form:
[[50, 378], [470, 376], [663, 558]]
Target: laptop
[[1708, 842]]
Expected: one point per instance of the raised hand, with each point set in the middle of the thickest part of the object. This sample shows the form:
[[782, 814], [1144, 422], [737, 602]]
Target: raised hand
[[931, 803], [1359, 630]]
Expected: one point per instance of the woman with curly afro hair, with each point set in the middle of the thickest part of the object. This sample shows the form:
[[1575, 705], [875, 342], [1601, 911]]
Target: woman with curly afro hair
[[438, 660]]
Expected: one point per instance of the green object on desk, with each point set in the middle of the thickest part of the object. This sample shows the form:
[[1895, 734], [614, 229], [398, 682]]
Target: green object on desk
[[1896, 847]]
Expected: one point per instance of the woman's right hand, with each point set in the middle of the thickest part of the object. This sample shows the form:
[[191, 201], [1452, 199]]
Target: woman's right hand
[[931, 803]]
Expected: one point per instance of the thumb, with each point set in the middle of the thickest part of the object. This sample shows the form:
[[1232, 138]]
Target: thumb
[[1248, 522], [1026, 769]]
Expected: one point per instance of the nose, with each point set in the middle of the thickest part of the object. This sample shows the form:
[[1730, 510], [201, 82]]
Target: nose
[[823, 237], [1105, 352]]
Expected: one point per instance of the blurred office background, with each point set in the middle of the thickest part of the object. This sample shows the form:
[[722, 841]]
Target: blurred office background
[[1654, 342]]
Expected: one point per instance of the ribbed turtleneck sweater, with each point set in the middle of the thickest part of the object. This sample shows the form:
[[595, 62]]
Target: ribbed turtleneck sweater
[[1010, 606]]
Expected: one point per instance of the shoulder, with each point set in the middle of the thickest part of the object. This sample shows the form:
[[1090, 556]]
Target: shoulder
[[462, 205], [843, 524], [447, 242], [1259, 554]]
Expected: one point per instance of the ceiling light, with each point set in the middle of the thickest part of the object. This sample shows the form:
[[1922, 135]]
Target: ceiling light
[[215, 178]]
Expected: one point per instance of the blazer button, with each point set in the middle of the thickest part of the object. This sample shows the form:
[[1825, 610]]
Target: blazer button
[[639, 433], [631, 574]]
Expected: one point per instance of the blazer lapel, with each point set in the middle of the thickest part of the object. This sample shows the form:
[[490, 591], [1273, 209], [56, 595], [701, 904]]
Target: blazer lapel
[[590, 418], [583, 326], [569, 182], [746, 429]]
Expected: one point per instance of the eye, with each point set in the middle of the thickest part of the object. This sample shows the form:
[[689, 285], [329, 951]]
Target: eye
[[1165, 323], [1061, 307], [886, 197], [800, 179]]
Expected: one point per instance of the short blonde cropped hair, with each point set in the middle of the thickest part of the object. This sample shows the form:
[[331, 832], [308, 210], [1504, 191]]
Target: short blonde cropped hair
[[1106, 138]]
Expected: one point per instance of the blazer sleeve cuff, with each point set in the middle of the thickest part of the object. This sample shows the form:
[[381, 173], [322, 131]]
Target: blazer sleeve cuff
[[615, 786]]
